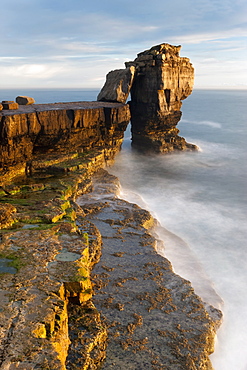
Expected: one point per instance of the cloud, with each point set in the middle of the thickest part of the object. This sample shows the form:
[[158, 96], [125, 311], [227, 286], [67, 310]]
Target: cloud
[[86, 47], [218, 36], [66, 37], [10, 59]]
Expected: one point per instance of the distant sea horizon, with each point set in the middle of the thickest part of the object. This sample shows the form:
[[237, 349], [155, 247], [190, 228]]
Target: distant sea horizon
[[69, 94]]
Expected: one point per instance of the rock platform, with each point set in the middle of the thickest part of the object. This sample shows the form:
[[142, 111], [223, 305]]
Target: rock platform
[[33, 130], [45, 264], [70, 302], [154, 318]]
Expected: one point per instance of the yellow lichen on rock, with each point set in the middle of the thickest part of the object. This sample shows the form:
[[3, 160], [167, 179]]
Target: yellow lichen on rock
[[7, 212], [39, 331]]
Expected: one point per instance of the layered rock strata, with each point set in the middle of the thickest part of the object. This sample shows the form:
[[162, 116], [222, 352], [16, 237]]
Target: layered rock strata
[[154, 318], [162, 80], [61, 127], [117, 86], [56, 313], [47, 251]]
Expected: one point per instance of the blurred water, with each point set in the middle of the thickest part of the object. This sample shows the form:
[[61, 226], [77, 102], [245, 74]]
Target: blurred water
[[200, 199]]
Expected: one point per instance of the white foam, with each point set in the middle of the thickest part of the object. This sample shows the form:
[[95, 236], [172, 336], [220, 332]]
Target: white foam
[[204, 122]]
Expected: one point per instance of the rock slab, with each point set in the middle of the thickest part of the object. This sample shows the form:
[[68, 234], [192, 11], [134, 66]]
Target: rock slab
[[117, 86], [59, 127], [24, 100], [154, 318], [9, 105]]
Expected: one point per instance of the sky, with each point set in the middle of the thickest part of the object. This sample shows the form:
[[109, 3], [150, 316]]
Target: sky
[[74, 44]]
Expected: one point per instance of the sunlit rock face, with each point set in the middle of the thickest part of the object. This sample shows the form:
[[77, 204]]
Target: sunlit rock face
[[40, 128], [162, 80]]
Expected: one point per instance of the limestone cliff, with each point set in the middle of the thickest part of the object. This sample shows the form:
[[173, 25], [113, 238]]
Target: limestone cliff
[[162, 79], [40, 128]]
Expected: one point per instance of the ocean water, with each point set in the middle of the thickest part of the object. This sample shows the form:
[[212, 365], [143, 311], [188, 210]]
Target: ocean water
[[200, 201], [42, 96]]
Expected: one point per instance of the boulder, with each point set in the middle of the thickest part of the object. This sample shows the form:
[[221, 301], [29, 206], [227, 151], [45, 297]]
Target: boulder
[[24, 100], [7, 104], [117, 86]]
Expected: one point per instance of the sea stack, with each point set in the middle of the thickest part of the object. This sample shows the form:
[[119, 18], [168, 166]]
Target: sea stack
[[162, 79]]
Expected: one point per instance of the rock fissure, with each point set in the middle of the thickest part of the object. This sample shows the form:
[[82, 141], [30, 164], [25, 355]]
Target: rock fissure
[[7, 339]]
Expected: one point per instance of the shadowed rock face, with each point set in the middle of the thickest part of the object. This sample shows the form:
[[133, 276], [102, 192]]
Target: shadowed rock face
[[162, 80], [117, 85]]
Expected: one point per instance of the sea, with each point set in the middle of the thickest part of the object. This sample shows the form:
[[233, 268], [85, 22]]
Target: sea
[[200, 201]]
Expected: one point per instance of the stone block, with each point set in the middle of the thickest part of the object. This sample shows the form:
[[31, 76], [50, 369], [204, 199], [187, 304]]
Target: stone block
[[9, 104], [144, 58], [117, 86], [130, 64], [24, 100]]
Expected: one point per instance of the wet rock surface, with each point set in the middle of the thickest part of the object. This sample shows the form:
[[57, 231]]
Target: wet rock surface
[[154, 318]]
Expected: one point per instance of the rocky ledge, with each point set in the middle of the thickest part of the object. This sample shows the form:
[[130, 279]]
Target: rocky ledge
[[59, 310], [32, 130], [154, 318]]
